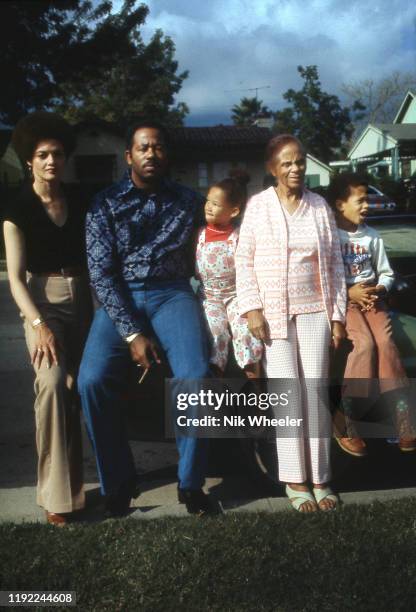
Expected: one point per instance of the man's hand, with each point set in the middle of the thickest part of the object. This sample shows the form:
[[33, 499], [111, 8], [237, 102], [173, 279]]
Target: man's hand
[[144, 351], [257, 324], [338, 333], [364, 295]]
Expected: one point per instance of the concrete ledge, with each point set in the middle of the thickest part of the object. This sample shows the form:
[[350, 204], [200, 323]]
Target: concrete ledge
[[18, 505]]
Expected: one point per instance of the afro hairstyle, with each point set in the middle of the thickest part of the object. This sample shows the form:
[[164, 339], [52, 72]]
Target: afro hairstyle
[[41, 125]]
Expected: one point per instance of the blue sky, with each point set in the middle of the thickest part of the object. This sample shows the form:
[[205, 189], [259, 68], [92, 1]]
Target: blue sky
[[241, 44]]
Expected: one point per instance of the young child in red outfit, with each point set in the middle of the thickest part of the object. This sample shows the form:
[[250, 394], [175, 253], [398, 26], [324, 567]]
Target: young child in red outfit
[[215, 269], [369, 277]]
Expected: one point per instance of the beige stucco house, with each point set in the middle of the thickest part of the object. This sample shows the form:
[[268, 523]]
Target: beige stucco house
[[203, 155]]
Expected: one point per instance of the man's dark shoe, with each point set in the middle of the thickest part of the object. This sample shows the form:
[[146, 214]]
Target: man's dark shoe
[[118, 504], [196, 501]]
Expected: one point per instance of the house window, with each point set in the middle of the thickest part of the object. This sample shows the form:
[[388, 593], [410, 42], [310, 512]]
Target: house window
[[95, 168], [220, 171], [203, 174]]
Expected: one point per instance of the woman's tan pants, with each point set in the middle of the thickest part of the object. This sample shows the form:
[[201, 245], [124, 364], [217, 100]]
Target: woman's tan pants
[[64, 303]]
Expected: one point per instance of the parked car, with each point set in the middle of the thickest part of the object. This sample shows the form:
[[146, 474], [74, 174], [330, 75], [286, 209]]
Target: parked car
[[378, 201]]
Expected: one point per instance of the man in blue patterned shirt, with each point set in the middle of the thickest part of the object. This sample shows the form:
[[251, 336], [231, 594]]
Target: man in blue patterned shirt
[[139, 232]]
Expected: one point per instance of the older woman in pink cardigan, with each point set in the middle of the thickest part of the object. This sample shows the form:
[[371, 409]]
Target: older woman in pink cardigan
[[291, 288]]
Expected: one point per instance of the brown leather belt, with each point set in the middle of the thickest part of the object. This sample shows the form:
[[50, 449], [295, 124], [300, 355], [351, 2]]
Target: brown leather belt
[[64, 272]]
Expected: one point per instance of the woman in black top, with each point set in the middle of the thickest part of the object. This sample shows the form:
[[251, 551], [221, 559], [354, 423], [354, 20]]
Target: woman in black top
[[44, 237]]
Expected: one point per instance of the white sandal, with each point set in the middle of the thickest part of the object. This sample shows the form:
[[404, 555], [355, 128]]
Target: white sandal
[[326, 493], [297, 498]]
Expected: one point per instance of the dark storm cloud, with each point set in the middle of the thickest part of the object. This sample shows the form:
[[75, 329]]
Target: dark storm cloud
[[238, 45]]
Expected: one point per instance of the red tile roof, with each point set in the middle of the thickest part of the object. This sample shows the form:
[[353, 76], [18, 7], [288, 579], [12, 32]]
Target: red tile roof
[[206, 139]]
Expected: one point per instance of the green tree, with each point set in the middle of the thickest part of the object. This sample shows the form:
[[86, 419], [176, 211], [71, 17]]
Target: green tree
[[248, 110], [317, 118], [76, 57]]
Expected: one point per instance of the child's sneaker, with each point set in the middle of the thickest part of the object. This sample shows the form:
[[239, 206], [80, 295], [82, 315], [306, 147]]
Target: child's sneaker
[[405, 429], [353, 446], [407, 445], [347, 437], [407, 439]]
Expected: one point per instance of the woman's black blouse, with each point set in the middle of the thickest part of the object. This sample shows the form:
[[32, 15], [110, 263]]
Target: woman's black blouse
[[48, 246]]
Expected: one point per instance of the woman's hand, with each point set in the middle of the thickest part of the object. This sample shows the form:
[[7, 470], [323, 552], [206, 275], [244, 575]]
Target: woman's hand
[[257, 324], [338, 334], [46, 347]]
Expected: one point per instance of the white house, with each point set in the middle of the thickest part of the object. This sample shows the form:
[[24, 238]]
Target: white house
[[407, 110], [318, 174], [389, 148]]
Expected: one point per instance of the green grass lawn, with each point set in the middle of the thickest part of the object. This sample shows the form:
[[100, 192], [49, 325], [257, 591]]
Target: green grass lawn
[[359, 558]]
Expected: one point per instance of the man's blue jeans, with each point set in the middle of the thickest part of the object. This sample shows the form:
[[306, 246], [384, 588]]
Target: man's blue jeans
[[174, 317]]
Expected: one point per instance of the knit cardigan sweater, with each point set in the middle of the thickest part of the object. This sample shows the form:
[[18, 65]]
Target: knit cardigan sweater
[[262, 260]]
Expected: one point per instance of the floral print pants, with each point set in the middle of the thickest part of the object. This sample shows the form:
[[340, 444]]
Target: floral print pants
[[216, 271]]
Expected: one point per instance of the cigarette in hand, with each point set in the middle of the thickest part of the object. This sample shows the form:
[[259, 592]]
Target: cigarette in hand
[[143, 376]]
